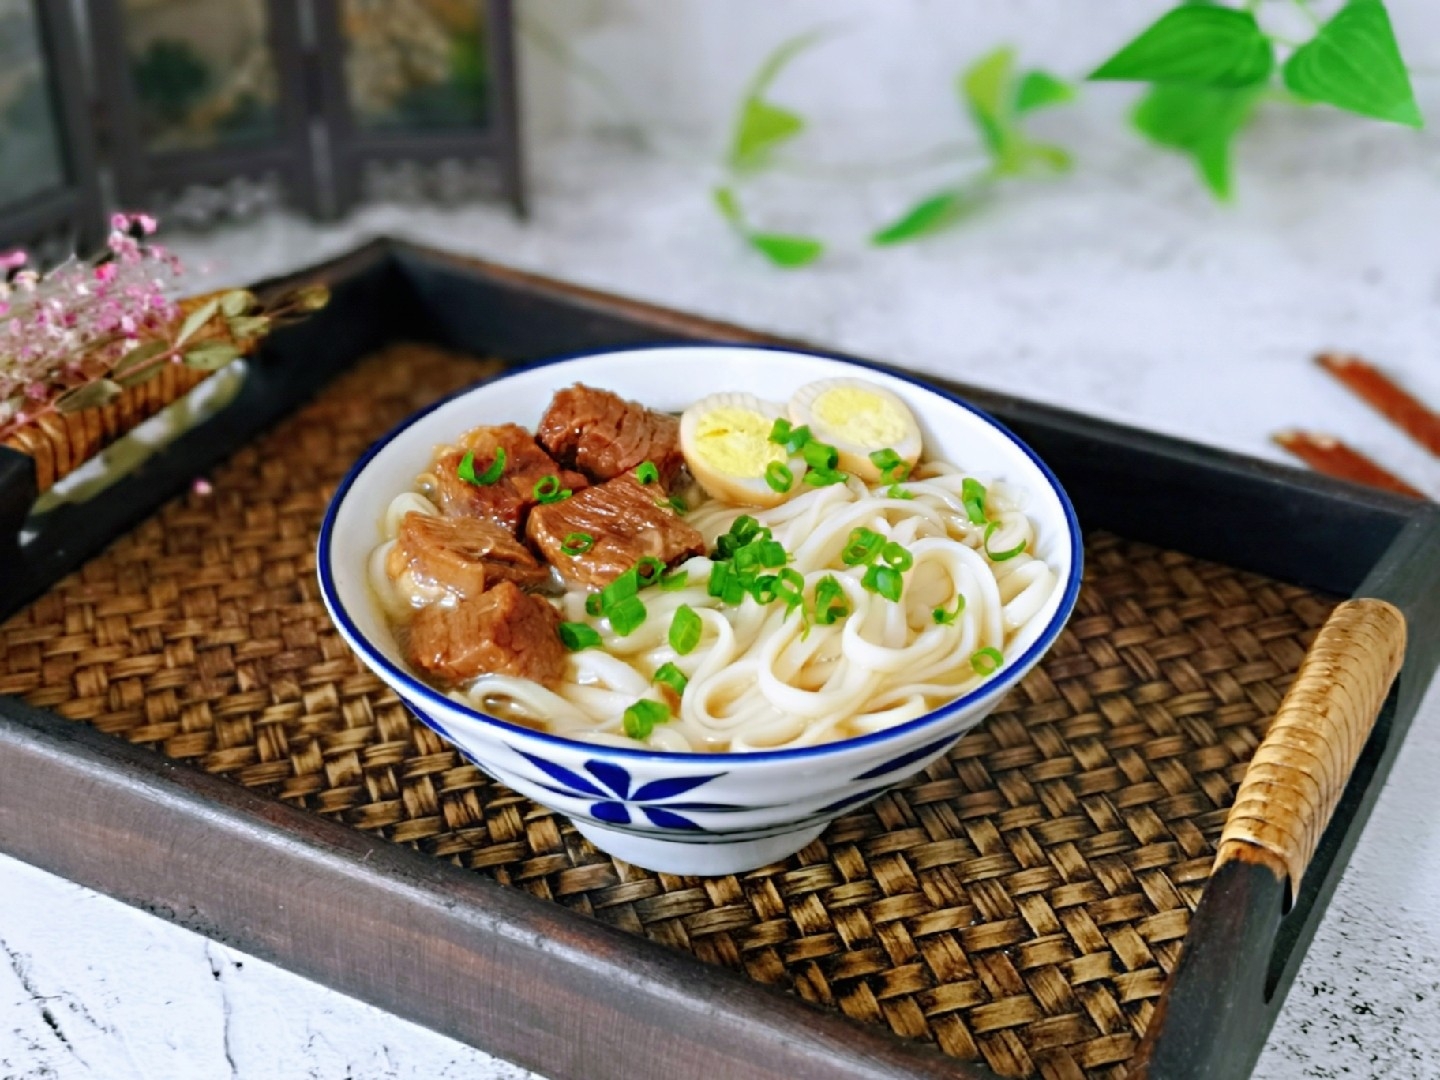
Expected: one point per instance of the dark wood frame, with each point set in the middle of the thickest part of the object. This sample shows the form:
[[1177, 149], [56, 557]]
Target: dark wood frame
[[76, 203], [321, 178], [353, 147], [139, 172], [569, 996]]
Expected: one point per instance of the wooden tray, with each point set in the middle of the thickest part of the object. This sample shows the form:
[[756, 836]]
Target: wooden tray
[[1044, 901]]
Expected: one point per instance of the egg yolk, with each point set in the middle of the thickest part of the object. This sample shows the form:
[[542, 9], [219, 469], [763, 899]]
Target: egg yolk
[[867, 419], [736, 442]]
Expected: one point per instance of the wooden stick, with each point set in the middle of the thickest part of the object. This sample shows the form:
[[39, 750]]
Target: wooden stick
[[1330, 456], [1372, 385]]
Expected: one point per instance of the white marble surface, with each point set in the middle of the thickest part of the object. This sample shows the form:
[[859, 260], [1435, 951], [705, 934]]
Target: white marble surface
[[1121, 291]]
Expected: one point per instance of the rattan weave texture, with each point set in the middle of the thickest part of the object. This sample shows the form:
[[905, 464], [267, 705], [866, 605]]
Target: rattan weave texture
[[1021, 901]]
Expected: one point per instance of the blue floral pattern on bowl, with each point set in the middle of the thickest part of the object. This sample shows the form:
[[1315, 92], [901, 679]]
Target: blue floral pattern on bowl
[[616, 802]]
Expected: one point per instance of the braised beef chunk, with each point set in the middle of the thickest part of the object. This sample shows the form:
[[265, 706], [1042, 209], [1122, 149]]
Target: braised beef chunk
[[503, 632], [624, 523], [461, 554], [506, 500], [604, 435]]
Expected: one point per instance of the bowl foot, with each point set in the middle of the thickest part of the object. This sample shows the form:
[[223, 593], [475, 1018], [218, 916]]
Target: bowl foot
[[704, 860]]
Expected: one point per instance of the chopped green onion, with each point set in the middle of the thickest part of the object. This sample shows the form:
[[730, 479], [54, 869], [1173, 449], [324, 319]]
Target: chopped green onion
[[893, 468], [577, 636], [886, 459], [831, 603], [772, 554], [718, 573], [647, 473], [972, 497], [641, 718], [622, 588], [1000, 556], [861, 547], [945, 617], [673, 581], [548, 490], [987, 661], [626, 616], [820, 456], [793, 439], [895, 491], [896, 555], [466, 470], [824, 477], [685, 630], [676, 503], [577, 544], [594, 603], [648, 570], [672, 677], [745, 528], [763, 588], [779, 477], [883, 581], [747, 557], [790, 587], [735, 590]]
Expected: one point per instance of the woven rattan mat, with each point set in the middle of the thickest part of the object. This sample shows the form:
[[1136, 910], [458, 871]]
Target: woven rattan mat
[[1021, 901]]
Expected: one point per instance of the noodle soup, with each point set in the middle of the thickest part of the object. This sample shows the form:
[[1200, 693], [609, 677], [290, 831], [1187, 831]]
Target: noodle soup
[[751, 576]]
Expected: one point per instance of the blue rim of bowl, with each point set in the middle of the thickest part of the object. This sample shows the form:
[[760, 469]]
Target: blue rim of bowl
[[430, 695]]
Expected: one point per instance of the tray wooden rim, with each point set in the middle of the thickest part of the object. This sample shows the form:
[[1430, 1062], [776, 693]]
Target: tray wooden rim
[[67, 792]]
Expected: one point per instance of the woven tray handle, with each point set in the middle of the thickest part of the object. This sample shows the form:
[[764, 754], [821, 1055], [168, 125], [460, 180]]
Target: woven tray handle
[[1301, 768]]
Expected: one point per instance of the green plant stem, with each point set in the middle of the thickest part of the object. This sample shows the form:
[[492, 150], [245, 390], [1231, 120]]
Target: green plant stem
[[1304, 6], [548, 42]]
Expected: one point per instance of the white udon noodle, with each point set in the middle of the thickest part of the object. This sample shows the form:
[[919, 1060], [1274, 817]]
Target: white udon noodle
[[762, 680]]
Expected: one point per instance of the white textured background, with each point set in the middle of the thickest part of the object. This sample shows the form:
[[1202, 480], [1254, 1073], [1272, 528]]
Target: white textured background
[[1121, 290]]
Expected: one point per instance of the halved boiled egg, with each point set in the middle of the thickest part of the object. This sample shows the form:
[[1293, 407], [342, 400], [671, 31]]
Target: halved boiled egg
[[857, 418], [726, 442]]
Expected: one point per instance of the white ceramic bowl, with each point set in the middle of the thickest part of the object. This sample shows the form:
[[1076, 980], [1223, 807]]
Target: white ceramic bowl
[[686, 813]]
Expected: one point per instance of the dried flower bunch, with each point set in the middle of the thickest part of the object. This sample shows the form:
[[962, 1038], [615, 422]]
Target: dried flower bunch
[[77, 337]]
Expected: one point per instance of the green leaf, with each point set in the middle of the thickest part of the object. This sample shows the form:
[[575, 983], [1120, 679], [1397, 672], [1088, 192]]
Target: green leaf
[[928, 216], [90, 396], [247, 326], [1197, 45], [237, 302], [211, 356], [1199, 121], [1354, 63], [139, 377], [985, 86], [138, 356], [763, 127], [787, 250], [782, 249], [1040, 90], [729, 206], [1045, 155], [196, 319]]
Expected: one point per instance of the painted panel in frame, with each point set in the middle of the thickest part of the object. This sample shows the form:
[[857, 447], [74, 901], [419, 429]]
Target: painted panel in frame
[[417, 65], [203, 72], [31, 160]]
